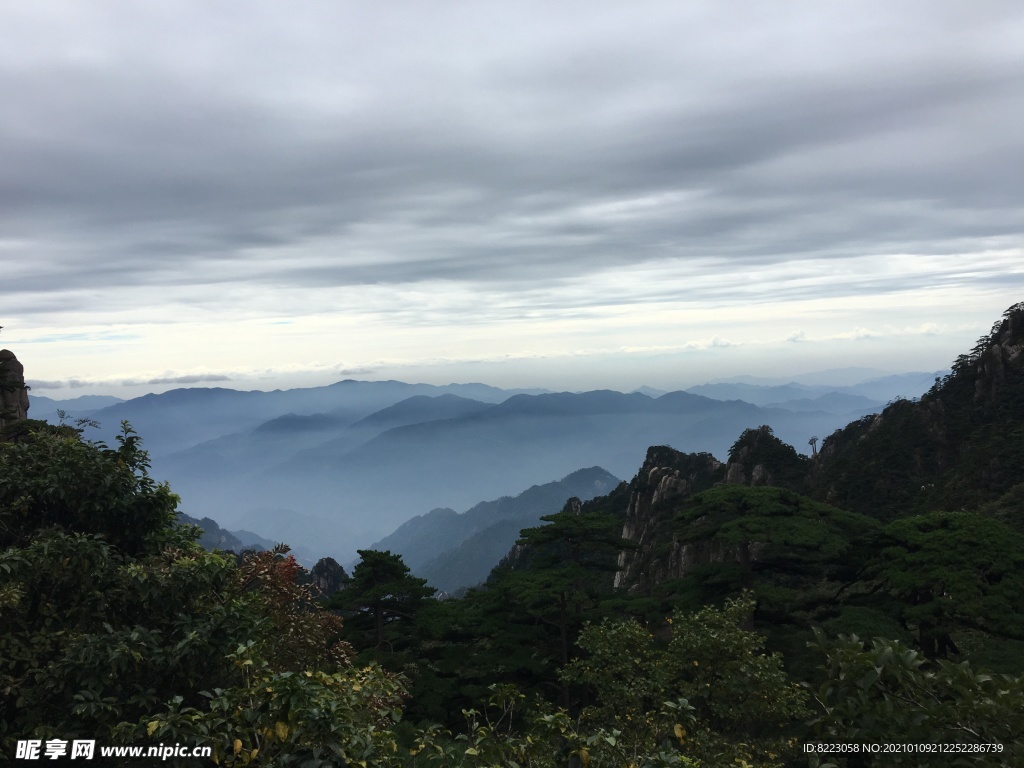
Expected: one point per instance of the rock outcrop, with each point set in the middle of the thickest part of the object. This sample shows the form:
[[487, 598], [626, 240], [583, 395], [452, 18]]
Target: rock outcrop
[[328, 576], [1001, 350], [759, 458], [669, 549], [666, 476], [13, 392]]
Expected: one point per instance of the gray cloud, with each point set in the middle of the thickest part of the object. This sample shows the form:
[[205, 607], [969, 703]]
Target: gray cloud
[[351, 145], [81, 383], [63, 384], [188, 379]]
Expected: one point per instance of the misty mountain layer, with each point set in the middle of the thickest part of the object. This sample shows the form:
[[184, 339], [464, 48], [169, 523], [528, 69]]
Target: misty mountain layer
[[334, 469]]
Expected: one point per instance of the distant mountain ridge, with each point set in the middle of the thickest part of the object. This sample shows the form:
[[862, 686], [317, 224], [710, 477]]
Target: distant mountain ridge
[[832, 377], [45, 408], [454, 551], [455, 462], [336, 468], [181, 418], [873, 393], [832, 402], [419, 409], [450, 462]]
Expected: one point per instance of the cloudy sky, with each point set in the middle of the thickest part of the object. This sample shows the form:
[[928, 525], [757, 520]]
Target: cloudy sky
[[568, 195]]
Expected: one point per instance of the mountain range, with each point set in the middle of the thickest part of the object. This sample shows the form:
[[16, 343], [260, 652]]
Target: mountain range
[[334, 469]]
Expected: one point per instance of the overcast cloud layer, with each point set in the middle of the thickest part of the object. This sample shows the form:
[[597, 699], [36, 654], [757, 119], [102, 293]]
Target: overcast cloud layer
[[195, 190]]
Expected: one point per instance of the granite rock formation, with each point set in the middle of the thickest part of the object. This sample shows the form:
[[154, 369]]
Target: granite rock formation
[[13, 392], [666, 477]]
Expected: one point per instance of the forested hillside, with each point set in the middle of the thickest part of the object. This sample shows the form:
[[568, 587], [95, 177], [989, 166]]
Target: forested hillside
[[705, 613], [958, 447]]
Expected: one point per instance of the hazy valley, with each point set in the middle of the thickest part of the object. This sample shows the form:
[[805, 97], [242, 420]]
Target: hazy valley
[[334, 469]]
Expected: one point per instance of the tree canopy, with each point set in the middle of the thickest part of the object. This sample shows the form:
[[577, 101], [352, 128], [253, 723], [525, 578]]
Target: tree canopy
[[118, 627]]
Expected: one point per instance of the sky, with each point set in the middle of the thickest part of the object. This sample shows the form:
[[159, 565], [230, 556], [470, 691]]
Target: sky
[[569, 195]]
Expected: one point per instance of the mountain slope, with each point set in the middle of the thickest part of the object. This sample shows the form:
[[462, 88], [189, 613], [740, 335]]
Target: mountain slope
[[961, 445], [215, 537], [458, 550], [469, 563], [914, 533]]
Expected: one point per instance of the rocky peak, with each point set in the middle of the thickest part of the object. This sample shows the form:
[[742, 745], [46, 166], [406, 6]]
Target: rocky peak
[[1001, 349], [665, 475], [13, 392], [328, 576], [758, 458]]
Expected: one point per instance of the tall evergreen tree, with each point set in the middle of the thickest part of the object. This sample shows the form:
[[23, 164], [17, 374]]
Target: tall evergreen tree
[[382, 595]]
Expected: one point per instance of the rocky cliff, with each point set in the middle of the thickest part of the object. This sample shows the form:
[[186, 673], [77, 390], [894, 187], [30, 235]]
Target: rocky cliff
[[328, 576], [13, 392], [696, 533], [665, 478], [669, 478]]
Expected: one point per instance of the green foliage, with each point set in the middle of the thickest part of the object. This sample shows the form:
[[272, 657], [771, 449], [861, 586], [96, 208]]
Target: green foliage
[[784, 466], [570, 565], [28, 430], [381, 595], [887, 694], [106, 607], [493, 635], [115, 622], [313, 718], [523, 624], [507, 733], [52, 478], [774, 518], [950, 571], [576, 538], [793, 553], [742, 704], [1008, 508], [879, 466]]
